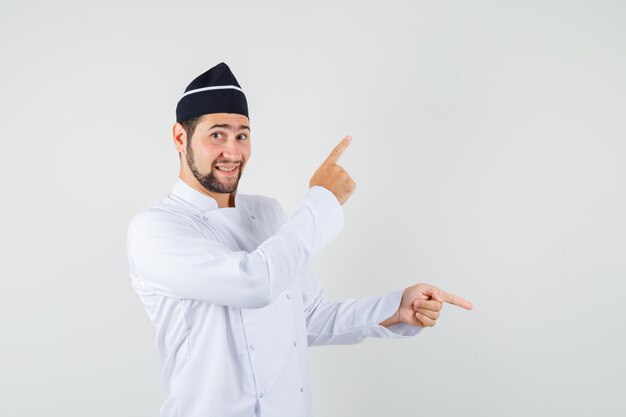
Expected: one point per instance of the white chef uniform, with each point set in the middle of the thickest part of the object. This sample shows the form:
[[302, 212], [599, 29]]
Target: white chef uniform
[[235, 303]]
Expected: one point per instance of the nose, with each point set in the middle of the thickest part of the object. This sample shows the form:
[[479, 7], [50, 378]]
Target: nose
[[231, 151]]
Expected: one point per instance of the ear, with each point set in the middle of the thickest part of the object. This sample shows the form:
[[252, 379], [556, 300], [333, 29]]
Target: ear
[[180, 137]]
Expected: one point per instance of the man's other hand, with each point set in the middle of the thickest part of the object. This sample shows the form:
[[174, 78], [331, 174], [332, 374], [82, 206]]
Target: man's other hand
[[421, 305], [332, 176]]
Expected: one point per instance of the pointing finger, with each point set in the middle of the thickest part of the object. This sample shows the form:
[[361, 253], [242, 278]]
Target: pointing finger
[[336, 153], [456, 300]]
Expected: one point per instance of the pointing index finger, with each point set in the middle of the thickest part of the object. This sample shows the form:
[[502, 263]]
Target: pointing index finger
[[338, 150], [456, 300]]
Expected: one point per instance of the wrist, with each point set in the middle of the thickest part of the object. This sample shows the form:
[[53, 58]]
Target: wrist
[[391, 320]]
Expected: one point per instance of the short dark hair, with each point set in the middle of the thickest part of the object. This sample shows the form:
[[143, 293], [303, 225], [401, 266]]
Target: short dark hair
[[189, 126]]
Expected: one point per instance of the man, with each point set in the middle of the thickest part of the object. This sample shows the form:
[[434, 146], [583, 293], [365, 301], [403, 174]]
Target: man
[[225, 277]]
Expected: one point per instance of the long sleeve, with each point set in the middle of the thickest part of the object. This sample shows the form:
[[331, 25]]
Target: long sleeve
[[169, 256], [349, 321]]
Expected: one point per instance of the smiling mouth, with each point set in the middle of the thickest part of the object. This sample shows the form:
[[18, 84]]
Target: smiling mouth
[[228, 169]]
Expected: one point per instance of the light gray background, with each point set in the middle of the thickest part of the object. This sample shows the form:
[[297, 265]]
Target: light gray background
[[489, 148]]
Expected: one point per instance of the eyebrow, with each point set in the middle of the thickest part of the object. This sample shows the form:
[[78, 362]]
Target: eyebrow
[[230, 127]]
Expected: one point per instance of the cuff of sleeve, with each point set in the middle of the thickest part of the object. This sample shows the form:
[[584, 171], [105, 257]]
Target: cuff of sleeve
[[328, 214], [382, 308]]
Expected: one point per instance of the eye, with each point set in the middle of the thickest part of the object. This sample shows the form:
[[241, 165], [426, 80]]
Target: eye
[[242, 137], [216, 135]]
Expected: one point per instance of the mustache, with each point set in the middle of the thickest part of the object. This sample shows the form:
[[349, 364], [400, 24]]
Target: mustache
[[240, 161]]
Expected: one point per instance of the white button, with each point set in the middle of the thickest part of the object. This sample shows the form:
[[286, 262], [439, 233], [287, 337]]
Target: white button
[[204, 217], [294, 344], [288, 297], [251, 347], [301, 390], [252, 217], [261, 395]]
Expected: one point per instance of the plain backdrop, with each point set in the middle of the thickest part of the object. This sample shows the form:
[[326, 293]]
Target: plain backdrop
[[489, 152]]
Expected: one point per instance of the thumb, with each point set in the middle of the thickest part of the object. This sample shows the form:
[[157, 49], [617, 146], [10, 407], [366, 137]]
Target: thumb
[[428, 291], [437, 295]]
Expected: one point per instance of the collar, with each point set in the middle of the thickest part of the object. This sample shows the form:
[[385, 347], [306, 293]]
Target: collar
[[195, 198]]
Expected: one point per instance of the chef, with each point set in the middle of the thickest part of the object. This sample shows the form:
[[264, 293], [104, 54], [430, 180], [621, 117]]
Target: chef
[[226, 280]]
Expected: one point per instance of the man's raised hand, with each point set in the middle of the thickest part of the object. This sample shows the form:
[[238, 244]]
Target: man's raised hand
[[332, 176]]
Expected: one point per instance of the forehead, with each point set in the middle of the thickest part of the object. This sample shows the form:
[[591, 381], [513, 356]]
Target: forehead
[[233, 119]]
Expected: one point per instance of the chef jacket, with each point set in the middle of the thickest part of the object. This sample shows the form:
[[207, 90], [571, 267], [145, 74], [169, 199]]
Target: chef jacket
[[235, 303]]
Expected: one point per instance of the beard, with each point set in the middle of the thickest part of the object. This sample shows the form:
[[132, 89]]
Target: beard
[[210, 180]]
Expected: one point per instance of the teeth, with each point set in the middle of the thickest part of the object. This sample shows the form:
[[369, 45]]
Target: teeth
[[226, 169]]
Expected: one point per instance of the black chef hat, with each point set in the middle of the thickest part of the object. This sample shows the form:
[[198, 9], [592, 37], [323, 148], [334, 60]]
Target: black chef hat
[[215, 91]]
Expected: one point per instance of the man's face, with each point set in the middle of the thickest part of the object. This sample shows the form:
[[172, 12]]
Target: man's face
[[219, 150]]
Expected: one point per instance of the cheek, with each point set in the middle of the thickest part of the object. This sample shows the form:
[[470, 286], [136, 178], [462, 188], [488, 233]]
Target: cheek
[[206, 155], [210, 153], [247, 152]]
